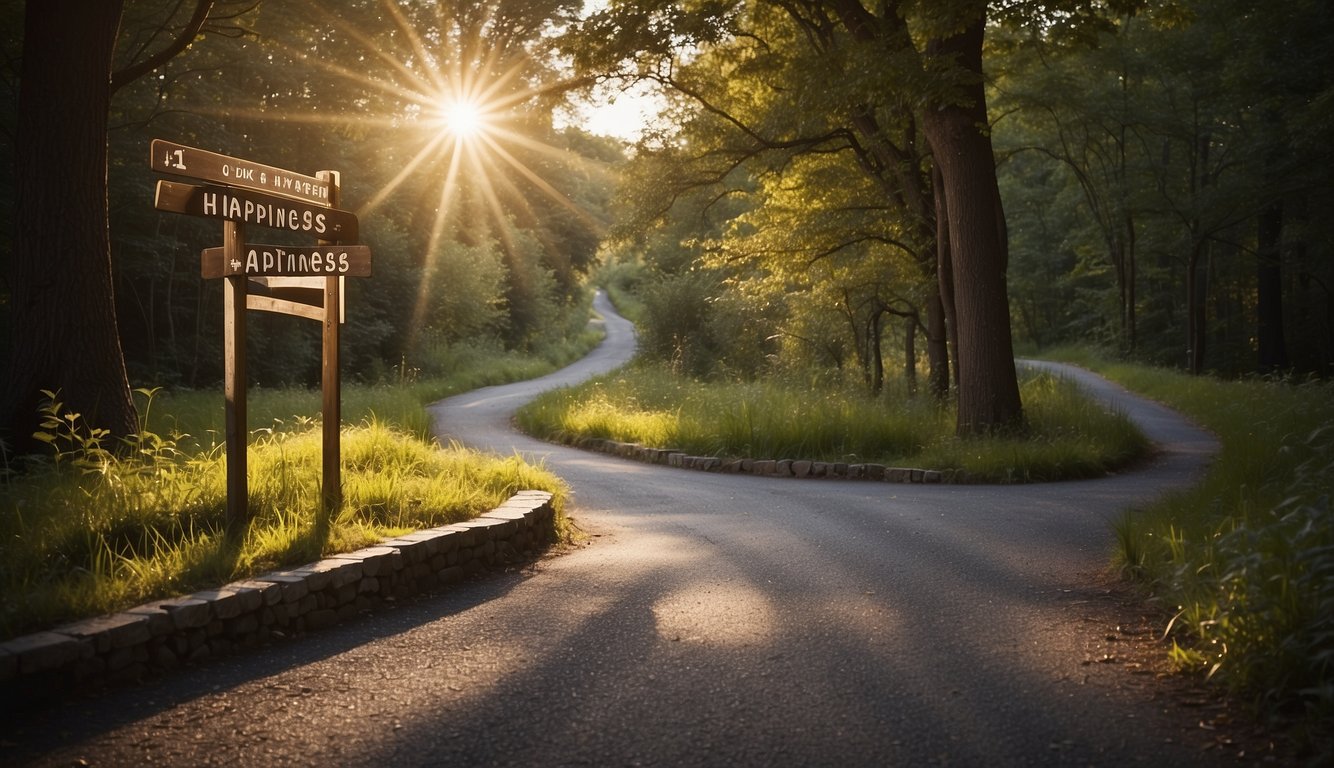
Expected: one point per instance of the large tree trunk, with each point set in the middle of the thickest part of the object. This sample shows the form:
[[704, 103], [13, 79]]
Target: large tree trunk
[[945, 282], [988, 387], [64, 319]]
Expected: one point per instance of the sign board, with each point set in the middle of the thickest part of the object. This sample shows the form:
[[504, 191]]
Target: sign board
[[178, 159], [250, 207], [291, 280], [289, 261]]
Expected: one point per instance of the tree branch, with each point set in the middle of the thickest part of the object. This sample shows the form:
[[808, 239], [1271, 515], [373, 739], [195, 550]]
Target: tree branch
[[187, 35]]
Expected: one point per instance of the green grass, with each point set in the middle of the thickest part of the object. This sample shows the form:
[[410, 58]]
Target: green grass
[[98, 525], [1069, 436], [1246, 558], [93, 530], [196, 416]]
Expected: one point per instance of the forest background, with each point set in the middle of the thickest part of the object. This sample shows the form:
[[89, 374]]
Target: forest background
[[1163, 168], [496, 260]]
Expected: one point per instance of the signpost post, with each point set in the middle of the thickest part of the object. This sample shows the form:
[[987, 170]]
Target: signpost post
[[296, 280], [234, 292], [331, 487]]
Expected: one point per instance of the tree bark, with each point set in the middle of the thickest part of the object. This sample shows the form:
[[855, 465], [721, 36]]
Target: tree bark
[[945, 286], [1131, 324], [958, 132], [64, 318], [1195, 315], [876, 353]]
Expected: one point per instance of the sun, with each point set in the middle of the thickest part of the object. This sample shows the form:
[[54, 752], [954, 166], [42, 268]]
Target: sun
[[463, 119], [465, 116]]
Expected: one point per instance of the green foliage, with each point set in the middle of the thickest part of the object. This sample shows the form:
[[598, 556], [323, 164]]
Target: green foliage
[[499, 251], [652, 405], [101, 522], [1137, 193], [624, 283]]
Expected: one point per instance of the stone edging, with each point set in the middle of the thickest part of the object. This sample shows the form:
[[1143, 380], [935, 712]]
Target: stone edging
[[765, 467], [163, 634]]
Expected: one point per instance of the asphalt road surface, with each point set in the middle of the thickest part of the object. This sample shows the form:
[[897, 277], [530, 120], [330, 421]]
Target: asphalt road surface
[[707, 619]]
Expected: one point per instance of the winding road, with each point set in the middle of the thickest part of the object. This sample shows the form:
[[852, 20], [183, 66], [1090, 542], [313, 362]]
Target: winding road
[[707, 619]]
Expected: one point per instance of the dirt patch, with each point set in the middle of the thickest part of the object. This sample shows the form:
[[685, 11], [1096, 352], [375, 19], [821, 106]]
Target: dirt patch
[[1124, 648]]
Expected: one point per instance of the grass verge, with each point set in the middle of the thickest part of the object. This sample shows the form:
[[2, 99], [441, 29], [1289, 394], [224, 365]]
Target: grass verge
[[196, 416], [1245, 560], [1069, 435], [93, 531], [97, 526]]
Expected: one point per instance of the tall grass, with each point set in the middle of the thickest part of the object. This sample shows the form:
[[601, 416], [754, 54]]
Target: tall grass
[[99, 524], [196, 416], [1247, 557], [94, 529], [1069, 436]]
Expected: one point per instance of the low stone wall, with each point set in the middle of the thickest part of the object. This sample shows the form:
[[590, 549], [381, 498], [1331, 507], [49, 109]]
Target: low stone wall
[[766, 467], [163, 634]]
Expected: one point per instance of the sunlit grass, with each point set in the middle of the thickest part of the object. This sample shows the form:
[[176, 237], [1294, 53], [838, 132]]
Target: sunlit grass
[[98, 525], [196, 416], [98, 532], [1069, 435]]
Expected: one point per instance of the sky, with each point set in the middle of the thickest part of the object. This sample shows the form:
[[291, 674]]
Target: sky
[[620, 114]]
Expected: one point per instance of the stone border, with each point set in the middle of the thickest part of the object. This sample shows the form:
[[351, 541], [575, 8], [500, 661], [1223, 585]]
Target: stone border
[[163, 634], [765, 467]]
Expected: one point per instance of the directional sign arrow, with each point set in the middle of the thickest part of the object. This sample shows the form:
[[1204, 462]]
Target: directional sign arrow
[[289, 260], [256, 208]]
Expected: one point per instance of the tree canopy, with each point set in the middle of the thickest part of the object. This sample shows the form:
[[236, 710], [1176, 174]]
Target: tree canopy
[[1158, 163], [483, 239], [866, 187]]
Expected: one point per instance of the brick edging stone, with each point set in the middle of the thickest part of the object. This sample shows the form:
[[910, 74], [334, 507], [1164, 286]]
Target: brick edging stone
[[767, 467], [163, 634]]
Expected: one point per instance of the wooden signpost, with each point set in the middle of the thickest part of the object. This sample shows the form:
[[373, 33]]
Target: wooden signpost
[[304, 281], [202, 165]]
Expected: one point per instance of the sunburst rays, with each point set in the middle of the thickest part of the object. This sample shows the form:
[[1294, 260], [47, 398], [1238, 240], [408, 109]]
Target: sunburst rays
[[456, 108]]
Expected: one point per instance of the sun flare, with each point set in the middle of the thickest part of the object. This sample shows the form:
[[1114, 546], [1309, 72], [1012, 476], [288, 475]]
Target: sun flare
[[457, 119], [462, 118]]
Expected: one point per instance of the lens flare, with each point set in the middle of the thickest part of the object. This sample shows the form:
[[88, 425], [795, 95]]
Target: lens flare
[[463, 119]]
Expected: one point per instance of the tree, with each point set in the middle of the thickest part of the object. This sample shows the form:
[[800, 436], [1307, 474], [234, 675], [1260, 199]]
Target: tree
[[1198, 133], [956, 125], [1073, 102], [880, 84], [520, 189], [812, 243], [64, 331]]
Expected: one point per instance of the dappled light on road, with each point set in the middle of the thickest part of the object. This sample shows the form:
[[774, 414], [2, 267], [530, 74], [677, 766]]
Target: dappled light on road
[[715, 614]]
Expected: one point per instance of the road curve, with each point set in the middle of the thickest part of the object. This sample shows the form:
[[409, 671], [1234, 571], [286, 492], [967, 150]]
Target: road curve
[[708, 620]]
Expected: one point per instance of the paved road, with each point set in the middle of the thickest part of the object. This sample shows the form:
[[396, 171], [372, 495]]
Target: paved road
[[708, 620]]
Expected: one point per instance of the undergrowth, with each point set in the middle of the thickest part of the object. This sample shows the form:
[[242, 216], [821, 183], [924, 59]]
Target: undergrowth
[[1245, 560]]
